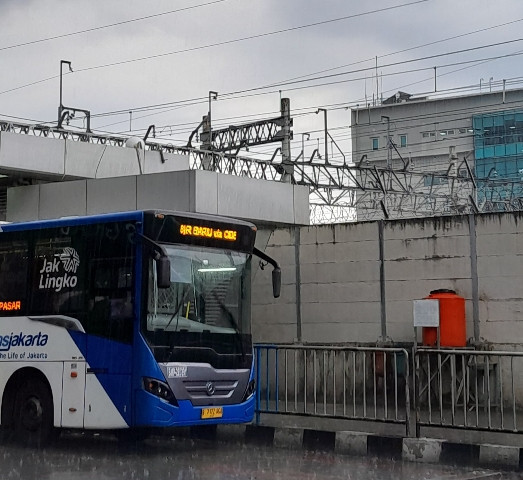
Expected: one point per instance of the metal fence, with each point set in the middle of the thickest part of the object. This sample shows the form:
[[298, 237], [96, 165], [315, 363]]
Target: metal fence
[[469, 389], [353, 383]]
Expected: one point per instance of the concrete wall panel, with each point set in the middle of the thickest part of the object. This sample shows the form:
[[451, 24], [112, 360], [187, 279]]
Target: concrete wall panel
[[24, 203], [356, 232], [117, 161], [500, 266], [83, 160], [493, 224], [301, 205], [443, 268], [326, 234], [424, 248], [63, 199], [417, 290], [356, 291], [498, 244], [248, 198], [500, 288], [365, 271], [344, 333], [43, 156], [356, 251], [170, 191], [309, 235], [274, 333], [101, 196], [339, 312], [281, 236], [426, 227]]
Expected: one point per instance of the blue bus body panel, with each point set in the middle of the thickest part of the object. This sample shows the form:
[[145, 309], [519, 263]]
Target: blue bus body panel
[[73, 221], [154, 412]]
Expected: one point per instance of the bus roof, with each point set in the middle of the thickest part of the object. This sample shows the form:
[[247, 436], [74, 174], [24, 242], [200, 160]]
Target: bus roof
[[72, 221], [136, 215]]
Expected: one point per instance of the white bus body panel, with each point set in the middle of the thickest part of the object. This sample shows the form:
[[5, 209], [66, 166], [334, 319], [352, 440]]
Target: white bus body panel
[[100, 411], [73, 394], [51, 350]]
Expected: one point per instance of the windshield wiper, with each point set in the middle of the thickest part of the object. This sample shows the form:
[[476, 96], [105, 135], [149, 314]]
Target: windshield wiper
[[178, 307], [232, 321]]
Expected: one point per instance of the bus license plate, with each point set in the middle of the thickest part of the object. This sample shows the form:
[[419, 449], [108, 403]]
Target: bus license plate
[[213, 412]]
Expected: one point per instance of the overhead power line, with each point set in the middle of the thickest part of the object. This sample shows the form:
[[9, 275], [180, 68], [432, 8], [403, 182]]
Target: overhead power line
[[110, 25], [252, 37], [454, 37], [226, 42]]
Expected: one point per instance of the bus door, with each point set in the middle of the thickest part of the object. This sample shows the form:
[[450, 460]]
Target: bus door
[[107, 384], [108, 349]]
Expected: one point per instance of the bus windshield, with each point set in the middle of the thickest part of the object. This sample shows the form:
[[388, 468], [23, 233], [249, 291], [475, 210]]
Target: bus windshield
[[206, 305]]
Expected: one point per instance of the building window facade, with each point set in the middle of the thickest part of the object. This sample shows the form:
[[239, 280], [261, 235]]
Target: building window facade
[[403, 140], [375, 143], [498, 151]]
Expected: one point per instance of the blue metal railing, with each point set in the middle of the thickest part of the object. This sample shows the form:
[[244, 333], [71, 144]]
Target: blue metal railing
[[353, 383]]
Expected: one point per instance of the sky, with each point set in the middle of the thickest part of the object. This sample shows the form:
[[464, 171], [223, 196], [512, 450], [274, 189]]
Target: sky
[[160, 59]]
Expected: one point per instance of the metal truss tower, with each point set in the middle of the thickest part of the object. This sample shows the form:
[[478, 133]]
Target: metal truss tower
[[338, 192]]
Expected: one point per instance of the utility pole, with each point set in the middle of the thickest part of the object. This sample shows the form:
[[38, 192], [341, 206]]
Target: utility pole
[[324, 110], [389, 146], [61, 104], [288, 167], [207, 124]]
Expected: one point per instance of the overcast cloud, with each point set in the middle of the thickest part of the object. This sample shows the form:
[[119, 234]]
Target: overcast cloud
[[242, 65]]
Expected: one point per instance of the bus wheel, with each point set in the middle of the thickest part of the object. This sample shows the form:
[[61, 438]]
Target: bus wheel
[[33, 414]]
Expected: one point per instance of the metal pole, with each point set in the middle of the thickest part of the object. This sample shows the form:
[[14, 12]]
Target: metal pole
[[474, 276], [212, 96], [297, 241], [325, 133], [303, 144], [61, 106], [382, 280], [285, 108], [389, 146]]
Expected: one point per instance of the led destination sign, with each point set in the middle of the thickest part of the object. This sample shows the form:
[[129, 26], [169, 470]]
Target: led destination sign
[[208, 232], [7, 306], [199, 229]]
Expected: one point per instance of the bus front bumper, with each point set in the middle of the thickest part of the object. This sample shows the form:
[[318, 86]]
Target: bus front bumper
[[151, 411]]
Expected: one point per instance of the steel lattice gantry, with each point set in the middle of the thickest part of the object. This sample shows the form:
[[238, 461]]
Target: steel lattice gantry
[[338, 193]]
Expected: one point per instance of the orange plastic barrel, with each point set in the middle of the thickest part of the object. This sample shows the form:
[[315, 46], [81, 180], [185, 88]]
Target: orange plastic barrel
[[452, 325]]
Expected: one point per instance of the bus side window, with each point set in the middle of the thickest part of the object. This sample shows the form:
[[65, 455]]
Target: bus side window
[[13, 277], [58, 280]]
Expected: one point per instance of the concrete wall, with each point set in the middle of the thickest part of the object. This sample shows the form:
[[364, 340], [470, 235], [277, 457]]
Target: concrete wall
[[339, 294], [191, 190], [58, 159]]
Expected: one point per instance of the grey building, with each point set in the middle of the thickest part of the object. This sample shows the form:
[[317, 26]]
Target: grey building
[[440, 136]]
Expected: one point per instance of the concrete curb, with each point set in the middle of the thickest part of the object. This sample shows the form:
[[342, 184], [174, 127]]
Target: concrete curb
[[424, 450]]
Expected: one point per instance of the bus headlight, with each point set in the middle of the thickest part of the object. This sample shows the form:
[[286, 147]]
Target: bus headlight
[[159, 389]]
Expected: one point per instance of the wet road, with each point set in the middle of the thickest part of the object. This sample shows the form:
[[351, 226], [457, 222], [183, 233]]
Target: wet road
[[86, 457]]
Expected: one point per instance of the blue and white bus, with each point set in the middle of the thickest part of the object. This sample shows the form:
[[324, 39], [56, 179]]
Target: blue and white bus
[[126, 321]]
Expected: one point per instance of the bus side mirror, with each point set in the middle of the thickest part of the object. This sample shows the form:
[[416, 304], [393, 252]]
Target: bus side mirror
[[163, 272], [276, 282]]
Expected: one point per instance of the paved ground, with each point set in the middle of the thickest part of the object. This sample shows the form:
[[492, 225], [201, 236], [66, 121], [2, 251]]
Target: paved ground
[[83, 457]]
